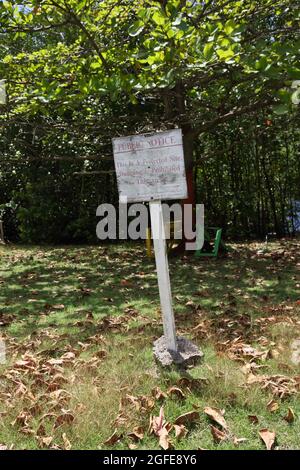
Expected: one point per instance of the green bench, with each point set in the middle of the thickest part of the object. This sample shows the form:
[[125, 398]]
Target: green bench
[[215, 240]]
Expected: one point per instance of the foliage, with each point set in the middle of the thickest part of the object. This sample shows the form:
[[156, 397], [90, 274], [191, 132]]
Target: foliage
[[79, 73]]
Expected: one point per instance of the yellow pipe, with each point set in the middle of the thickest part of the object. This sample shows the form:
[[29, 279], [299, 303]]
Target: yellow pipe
[[148, 243]]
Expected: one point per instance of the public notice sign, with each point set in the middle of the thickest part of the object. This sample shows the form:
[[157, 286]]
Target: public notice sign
[[150, 167]]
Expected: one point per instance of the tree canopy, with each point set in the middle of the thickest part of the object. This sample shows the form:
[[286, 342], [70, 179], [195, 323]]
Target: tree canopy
[[80, 72]]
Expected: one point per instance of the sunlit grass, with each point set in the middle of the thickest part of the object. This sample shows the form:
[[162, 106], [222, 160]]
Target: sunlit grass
[[58, 289]]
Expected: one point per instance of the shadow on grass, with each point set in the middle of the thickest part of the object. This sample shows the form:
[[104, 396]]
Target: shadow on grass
[[48, 286]]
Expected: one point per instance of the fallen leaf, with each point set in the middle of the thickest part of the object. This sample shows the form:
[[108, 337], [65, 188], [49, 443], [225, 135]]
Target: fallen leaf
[[180, 431], [157, 421], [68, 356], [193, 384], [216, 415], [253, 419], [41, 431], [113, 439], [137, 434], [21, 419], [3, 447], [218, 436], [290, 416], [164, 440], [187, 418], [273, 406], [268, 437], [132, 446], [254, 379], [45, 441], [58, 307], [101, 354], [85, 291], [177, 392], [55, 362], [67, 443], [158, 394], [161, 429], [66, 418], [237, 441]]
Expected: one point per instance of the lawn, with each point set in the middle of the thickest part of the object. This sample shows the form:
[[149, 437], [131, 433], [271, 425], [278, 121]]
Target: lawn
[[78, 324]]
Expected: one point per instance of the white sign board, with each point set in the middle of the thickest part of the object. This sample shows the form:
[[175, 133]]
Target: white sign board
[[150, 167]]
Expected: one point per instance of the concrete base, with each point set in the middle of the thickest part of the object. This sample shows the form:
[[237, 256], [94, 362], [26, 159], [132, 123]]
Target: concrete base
[[187, 353]]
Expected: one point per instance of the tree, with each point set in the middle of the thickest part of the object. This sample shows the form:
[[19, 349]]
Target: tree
[[141, 65]]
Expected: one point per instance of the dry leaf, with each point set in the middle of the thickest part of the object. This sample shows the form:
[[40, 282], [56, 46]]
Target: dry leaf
[[254, 379], [3, 447], [45, 441], [113, 439], [187, 418], [268, 438], [216, 415], [253, 419], [132, 446], [41, 431], [177, 392], [67, 443], [161, 429], [237, 441], [68, 356], [157, 421], [158, 394], [101, 354], [192, 384], [273, 406], [21, 419], [66, 418], [219, 436], [164, 440], [137, 434], [290, 416], [180, 431]]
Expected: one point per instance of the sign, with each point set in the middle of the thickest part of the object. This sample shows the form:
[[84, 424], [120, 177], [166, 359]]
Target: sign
[[150, 167]]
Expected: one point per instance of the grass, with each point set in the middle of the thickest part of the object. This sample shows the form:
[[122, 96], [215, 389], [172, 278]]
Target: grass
[[95, 310]]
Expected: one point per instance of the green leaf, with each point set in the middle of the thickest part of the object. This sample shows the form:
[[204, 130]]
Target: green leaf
[[225, 55], [294, 73], [158, 18], [230, 27], [144, 13], [262, 64], [281, 109], [296, 97], [136, 28], [96, 65], [208, 50]]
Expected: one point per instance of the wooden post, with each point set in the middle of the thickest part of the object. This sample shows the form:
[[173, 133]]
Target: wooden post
[[162, 267]]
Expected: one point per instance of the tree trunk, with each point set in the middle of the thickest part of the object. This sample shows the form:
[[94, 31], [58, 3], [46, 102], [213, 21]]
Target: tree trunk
[[188, 146]]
